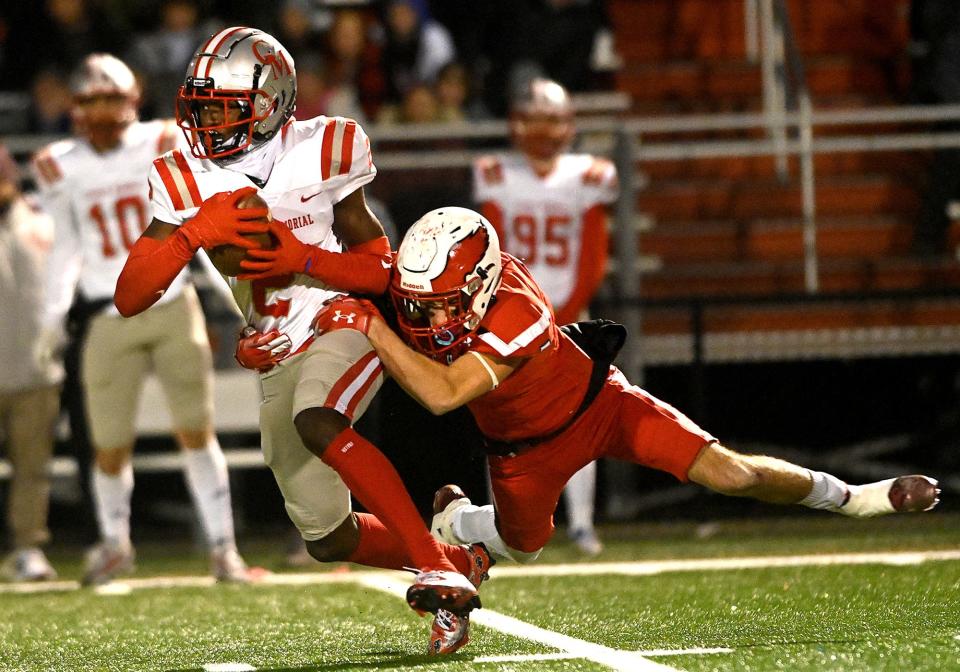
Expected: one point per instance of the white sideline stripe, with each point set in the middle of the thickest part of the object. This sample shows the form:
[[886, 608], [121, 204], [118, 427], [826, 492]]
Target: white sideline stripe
[[640, 568], [622, 661], [524, 657]]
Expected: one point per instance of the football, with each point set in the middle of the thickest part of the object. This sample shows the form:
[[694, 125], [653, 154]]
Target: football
[[227, 258]]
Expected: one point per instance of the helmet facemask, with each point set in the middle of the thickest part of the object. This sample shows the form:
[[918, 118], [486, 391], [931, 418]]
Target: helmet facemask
[[105, 99], [219, 123], [439, 325], [542, 122]]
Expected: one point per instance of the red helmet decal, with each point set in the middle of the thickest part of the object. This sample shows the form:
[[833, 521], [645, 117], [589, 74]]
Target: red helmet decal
[[278, 64]]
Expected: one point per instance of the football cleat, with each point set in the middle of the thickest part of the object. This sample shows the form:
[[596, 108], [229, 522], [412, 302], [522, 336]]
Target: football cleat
[[905, 494], [106, 561], [28, 564], [480, 563], [441, 589], [227, 566], [446, 501], [586, 541], [448, 633]]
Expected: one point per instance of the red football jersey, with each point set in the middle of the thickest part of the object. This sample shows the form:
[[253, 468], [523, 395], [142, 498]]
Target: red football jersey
[[544, 392]]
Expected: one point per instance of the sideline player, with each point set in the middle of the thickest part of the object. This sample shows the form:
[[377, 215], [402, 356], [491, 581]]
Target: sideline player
[[479, 331], [550, 209], [94, 186], [235, 110]]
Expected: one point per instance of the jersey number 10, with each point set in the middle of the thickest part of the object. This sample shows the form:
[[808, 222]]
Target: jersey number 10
[[122, 209]]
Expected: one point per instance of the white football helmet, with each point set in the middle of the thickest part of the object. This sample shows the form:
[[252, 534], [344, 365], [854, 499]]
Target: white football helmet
[[105, 78], [446, 273], [541, 120], [241, 69]]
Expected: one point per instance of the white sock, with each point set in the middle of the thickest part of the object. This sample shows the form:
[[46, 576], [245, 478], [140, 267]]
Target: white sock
[[206, 473], [578, 495], [477, 524], [111, 498], [828, 492]]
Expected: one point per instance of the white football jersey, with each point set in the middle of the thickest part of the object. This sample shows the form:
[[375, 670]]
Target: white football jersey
[[100, 206], [319, 162], [543, 217]]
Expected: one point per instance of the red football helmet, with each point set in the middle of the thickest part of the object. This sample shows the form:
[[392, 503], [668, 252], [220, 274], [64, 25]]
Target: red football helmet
[[446, 273], [240, 89], [541, 121], [105, 99]]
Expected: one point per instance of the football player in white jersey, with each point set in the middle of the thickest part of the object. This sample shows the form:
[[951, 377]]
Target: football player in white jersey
[[95, 187], [235, 109], [550, 209]]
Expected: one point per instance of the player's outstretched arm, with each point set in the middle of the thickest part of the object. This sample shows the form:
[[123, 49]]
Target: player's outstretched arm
[[437, 387]]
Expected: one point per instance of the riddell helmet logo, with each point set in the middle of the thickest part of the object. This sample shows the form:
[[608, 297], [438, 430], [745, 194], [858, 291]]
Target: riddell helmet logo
[[413, 285], [275, 59]]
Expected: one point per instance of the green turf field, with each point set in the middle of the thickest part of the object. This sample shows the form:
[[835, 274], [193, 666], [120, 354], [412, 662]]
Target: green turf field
[[872, 616]]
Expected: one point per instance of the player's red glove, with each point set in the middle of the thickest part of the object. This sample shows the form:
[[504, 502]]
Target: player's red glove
[[346, 313], [262, 351], [289, 255], [220, 222]]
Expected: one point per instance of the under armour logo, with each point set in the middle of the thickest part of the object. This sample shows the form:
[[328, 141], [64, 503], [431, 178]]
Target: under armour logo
[[349, 317]]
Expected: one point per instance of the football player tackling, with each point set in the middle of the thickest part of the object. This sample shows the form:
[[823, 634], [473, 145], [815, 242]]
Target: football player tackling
[[235, 108], [477, 330]]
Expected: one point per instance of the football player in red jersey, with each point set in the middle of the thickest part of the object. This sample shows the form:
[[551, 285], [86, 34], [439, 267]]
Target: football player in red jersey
[[235, 109], [478, 331], [550, 209]]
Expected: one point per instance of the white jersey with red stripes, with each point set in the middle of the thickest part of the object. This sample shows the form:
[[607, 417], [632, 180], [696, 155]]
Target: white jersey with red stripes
[[318, 163], [100, 206], [543, 216]]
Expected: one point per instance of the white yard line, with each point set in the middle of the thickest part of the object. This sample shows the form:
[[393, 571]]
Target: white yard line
[[622, 661], [639, 568], [653, 653]]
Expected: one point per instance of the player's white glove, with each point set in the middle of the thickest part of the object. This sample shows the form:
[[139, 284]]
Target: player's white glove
[[262, 351]]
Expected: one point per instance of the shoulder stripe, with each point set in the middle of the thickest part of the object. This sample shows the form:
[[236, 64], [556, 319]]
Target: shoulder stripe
[[336, 150], [522, 340], [47, 167], [167, 139], [168, 182], [188, 178], [178, 180]]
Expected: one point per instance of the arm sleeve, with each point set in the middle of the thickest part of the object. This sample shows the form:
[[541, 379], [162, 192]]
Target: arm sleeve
[[591, 266], [363, 268]]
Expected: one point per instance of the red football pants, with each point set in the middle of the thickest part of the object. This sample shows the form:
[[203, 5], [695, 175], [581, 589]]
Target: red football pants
[[623, 422]]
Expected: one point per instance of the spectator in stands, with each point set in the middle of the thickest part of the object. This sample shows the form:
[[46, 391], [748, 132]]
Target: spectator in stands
[[318, 95], [936, 26], [453, 94], [66, 31], [419, 106], [29, 386], [50, 103], [299, 28], [416, 48], [354, 61], [160, 57]]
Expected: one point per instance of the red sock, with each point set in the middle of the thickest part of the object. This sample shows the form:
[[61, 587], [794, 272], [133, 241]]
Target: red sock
[[379, 548], [376, 484]]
